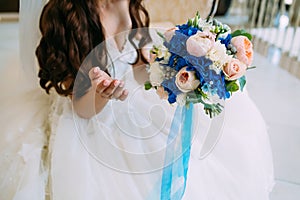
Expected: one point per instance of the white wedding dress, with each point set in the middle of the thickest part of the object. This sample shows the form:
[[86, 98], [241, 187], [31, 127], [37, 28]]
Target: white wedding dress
[[48, 152]]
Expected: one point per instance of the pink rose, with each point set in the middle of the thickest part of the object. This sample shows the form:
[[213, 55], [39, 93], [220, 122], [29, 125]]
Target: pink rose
[[244, 49], [186, 81], [234, 69], [200, 43], [170, 33]]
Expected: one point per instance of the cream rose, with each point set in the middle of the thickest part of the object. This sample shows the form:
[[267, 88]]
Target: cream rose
[[156, 74], [234, 69], [200, 43], [244, 49], [186, 81]]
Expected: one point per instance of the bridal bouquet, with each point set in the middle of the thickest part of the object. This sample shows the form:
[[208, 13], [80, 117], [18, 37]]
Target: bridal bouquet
[[201, 61]]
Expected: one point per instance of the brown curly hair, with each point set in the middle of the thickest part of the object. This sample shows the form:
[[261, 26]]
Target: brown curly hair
[[71, 29]]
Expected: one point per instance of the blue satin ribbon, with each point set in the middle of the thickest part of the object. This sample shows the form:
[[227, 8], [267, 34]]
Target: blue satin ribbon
[[177, 156]]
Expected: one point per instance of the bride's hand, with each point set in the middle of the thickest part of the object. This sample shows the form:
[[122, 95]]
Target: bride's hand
[[107, 87]]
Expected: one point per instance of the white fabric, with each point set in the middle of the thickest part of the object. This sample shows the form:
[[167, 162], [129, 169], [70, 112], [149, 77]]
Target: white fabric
[[29, 16], [99, 158], [118, 154], [24, 110]]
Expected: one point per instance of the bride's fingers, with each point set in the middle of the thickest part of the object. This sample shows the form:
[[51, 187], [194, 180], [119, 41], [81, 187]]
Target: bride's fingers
[[103, 85], [119, 90], [96, 75], [124, 95], [109, 91]]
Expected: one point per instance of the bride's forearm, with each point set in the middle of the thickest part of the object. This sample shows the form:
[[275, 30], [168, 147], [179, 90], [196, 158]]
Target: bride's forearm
[[89, 105]]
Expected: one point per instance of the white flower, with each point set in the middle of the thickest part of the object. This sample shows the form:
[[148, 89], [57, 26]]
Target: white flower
[[158, 52], [167, 56], [181, 99], [223, 35], [156, 74], [218, 55], [206, 26]]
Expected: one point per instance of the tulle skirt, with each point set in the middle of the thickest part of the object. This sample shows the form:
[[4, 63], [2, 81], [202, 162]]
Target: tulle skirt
[[46, 150], [119, 154]]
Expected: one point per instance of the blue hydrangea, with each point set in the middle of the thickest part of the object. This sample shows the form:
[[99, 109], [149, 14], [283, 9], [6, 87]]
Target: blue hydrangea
[[211, 77], [176, 62], [198, 62], [172, 98], [219, 84], [226, 40], [208, 89], [172, 60], [187, 30], [170, 85], [172, 89], [177, 44], [180, 63], [195, 63]]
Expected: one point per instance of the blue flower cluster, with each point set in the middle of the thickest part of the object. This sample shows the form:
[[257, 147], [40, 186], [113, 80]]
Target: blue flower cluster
[[226, 41], [177, 44], [187, 30], [172, 89]]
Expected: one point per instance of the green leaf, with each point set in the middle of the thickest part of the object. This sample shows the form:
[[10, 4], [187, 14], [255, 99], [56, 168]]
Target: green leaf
[[242, 82], [241, 32], [190, 22], [195, 24], [148, 86], [161, 35], [213, 109], [232, 86]]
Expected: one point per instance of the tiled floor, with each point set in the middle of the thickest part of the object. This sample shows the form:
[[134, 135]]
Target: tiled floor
[[277, 94], [285, 191], [274, 90]]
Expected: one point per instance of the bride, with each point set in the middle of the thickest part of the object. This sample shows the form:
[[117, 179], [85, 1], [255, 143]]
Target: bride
[[98, 134]]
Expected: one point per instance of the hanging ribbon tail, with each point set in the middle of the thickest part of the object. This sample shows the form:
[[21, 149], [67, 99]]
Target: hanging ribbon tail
[[177, 156]]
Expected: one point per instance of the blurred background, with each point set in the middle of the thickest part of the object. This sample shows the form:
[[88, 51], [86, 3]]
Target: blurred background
[[274, 85]]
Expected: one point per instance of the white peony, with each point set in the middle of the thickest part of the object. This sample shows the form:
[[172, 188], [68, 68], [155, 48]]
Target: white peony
[[200, 43], [218, 55], [156, 74], [206, 26], [166, 56]]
